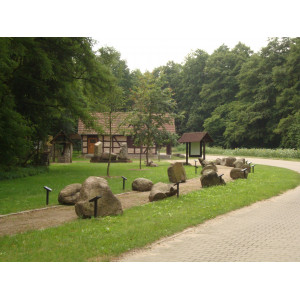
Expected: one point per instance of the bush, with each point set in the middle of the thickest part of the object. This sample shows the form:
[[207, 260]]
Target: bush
[[22, 172], [269, 153]]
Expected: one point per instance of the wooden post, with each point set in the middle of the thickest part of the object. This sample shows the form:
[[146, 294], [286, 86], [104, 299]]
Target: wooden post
[[187, 153], [203, 150]]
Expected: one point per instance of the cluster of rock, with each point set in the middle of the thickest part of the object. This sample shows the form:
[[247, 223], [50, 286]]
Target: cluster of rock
[[79, 195], [240, 167], [160, 190], [100, 156]]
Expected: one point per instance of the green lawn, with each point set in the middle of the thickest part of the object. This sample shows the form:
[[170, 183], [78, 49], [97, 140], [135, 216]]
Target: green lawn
[[28, 193], [103, 239]]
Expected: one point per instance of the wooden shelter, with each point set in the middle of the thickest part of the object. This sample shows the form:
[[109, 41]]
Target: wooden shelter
[[62, 148], [195, 143]]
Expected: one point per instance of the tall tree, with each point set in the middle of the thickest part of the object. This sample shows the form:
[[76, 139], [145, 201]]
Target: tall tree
[[47, 79], [153, 109]]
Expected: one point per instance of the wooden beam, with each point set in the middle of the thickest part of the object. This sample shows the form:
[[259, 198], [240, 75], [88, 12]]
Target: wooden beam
[[187, 153]]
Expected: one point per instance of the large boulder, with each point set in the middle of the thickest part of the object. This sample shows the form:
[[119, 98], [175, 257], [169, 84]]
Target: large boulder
[[217, 161], [105, 156], [237, 173], [69, 195], [98, 149], [205, 163], [209, 167], [176, 173], [211, 178], [162, 190], [108, 204], [142, 184], [123, 154], [239, 163], [229, 161]]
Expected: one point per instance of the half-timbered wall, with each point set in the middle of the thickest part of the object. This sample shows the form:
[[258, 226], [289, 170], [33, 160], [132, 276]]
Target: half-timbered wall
[[116, 144]]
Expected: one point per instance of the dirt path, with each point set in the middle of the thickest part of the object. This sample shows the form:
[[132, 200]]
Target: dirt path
[[55, 216]]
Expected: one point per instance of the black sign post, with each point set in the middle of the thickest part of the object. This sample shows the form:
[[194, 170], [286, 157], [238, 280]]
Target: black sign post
[[177, 184], [244, 170], [252, 168], [48, 190], [220, 177], [124, 179], [95, 200]]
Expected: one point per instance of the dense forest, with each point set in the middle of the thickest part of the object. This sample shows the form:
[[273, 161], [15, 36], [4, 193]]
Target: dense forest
[[242, 98]]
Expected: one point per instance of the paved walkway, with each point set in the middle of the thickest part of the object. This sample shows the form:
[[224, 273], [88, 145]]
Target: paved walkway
[[265, 231]]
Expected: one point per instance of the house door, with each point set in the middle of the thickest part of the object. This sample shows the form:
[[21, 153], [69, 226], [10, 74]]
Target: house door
[[91, 144]]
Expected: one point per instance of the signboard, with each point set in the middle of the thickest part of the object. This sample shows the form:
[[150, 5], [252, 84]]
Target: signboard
[[195, 149]]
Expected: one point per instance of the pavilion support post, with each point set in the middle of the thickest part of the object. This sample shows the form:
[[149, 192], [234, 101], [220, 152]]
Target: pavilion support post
[[187, 153], [203, 150]]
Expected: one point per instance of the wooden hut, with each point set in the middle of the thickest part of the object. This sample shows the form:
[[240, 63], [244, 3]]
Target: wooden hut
[[62, 148], [195, 143]]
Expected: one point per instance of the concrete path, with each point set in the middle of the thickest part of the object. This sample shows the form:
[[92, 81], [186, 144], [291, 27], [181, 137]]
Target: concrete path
[[265, 231]]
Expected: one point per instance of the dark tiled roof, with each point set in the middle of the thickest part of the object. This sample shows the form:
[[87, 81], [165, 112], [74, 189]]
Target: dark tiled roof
[[119, 127], [190, 137]]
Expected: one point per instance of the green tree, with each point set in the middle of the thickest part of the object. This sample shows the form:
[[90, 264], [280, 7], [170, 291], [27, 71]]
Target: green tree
[[286, 79], [45, 80], [153, 109]]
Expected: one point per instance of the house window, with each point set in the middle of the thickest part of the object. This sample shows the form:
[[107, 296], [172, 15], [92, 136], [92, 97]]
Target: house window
[[130, 142]]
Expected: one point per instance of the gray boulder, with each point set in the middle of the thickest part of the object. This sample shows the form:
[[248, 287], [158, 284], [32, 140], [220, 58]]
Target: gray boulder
[[105, 156], [237, 173], [98, 149], [123, 154], [108, 204], [209, 167], [205, 163], [217, 162], [239, 163], [142, 184], [176, 173], [211, 178], [162, 190], [229, 161], [69, 195]]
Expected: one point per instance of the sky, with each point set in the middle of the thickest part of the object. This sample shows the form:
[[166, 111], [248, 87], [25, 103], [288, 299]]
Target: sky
[[148, 34]]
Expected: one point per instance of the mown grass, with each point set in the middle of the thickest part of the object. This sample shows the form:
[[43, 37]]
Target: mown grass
[[28, 193], [103, 239], [293, 154]]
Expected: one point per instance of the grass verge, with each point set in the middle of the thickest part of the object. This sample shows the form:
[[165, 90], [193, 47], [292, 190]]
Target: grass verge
[[103, 239], [28, 193]]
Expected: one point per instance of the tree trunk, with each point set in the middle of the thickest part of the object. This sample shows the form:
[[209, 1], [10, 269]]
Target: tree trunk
[[110, 145], [147, 156], [141, 149]]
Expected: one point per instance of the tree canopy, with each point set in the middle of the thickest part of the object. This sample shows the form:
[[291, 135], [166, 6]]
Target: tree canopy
[[243, 99]]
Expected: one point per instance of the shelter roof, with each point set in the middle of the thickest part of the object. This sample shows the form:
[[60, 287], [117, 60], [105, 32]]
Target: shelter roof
[[190, 137], [61, 138]]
